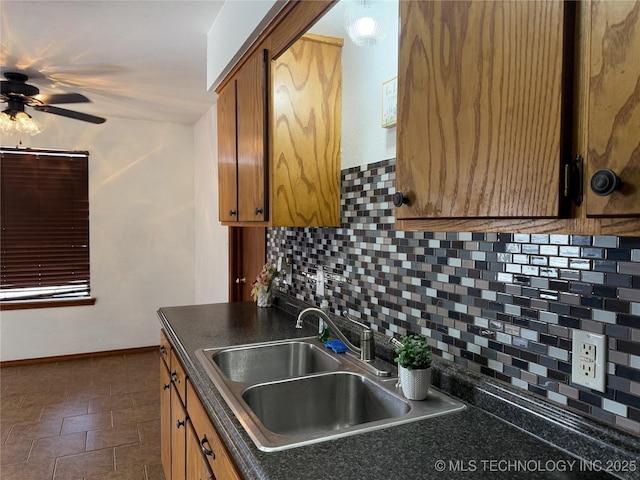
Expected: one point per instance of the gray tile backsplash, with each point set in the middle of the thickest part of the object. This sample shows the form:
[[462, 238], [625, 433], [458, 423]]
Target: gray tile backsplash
[[501, 304]]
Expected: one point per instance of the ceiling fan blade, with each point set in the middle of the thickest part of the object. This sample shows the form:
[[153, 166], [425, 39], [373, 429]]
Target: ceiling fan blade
[[63, 112], [56, 98]]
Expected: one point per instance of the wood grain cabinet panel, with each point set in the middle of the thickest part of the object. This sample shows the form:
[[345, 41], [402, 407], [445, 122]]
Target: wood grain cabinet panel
[[197, 466], [480, 95], [218, 458], [227, 155], [307, 123], [287, 116], [613, 115], [251, 110], [178, 377], [165, 419], [165, 349], [189, 443], [178, 437], [242, 137]]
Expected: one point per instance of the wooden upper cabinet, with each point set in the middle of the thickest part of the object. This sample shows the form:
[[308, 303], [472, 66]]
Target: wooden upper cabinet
[[242, 138], [480, 105], [251, 104], [307, 122], [227, 155], [279, 129], [613, 117]]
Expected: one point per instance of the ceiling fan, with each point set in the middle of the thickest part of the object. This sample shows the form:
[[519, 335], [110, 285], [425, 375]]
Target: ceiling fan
[[17, 93]]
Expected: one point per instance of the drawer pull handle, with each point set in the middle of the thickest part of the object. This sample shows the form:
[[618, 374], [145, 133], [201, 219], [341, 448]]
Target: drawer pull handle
[[207, 451]]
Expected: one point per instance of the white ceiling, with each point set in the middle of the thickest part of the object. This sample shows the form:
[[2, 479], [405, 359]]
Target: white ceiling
[[134, 59]]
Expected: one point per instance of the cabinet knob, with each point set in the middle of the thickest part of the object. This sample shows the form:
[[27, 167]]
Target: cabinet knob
[[207, 451], [166, 386], [604, 182], [163, 350], [241, 280], [180, 423], [400, 199], [174, 377], [258, 211], [232, 213]]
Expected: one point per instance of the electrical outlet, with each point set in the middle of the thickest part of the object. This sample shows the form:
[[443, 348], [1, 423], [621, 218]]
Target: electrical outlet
[[588, 360], [320, 282]]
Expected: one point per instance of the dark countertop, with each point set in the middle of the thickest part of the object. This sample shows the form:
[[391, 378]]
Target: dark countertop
[[468, 444]]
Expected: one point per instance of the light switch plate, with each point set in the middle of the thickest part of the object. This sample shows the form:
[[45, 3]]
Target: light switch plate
[[588, 360]]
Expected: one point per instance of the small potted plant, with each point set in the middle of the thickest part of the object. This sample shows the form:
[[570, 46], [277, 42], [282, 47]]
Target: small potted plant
[[414, 366], [261, 290]]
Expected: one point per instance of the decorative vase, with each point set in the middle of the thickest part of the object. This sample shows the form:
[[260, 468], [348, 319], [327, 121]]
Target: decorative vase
[[265, 298], [415, 383]]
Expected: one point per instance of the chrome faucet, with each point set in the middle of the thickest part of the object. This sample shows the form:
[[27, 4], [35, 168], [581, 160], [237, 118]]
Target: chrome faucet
[[366, 337], [365, 352]]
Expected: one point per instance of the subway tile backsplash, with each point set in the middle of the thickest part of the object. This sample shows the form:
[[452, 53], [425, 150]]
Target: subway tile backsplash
[[501, 304]]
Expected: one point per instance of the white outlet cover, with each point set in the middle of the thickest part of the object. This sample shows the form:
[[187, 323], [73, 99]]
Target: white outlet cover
[[597, 381]]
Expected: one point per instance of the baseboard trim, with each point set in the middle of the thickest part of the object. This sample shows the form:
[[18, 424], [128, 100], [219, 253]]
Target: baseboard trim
[[77, 356]]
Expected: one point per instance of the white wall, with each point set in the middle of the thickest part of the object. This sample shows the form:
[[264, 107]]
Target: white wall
[[212, 240], [236, 27], [141, 194]]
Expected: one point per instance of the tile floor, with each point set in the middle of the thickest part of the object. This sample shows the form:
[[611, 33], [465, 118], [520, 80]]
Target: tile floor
[[89, 419]]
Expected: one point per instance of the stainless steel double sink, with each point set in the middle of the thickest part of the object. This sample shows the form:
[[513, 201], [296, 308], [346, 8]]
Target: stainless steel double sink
[[291, 393]]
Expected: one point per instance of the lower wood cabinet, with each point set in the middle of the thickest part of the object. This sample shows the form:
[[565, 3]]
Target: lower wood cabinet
[[178, 437], [165, 418], [211, 445], [191, 448], [197, 466]]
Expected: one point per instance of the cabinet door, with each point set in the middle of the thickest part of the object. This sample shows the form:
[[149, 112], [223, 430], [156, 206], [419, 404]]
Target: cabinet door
[[165, 419], [480, 93], [227, 155], [614, 105], [165, 349], [178, 437], [197, 465], [252, 136], [219, 459], [178, 377], [307, 104]]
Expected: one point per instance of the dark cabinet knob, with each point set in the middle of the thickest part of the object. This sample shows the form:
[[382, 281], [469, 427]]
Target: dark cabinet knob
[[163, 350], [605, 182], [258, 211], [180, 423], [232, 213], [166, 386], [400, 199]]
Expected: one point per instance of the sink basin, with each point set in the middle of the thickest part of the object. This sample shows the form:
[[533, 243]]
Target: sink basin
[[273, 361], [322, 403], [291, 393]]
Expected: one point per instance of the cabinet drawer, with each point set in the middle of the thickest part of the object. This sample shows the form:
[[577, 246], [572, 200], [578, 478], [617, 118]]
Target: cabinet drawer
[[178, 377], [219, 459], [165, 349]]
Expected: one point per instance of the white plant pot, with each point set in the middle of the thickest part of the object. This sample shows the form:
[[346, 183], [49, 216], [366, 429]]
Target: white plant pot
[[415, 383]]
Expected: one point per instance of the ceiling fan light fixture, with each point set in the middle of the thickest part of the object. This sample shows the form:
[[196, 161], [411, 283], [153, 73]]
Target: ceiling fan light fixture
[[16, 121], [366, 21]]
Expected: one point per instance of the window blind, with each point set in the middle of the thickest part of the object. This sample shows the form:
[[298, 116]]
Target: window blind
[[45, 225]]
